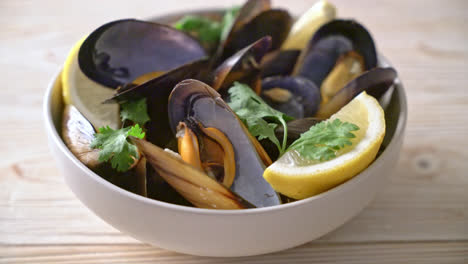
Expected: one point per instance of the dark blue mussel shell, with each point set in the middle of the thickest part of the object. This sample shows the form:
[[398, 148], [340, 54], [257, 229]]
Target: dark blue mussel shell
[[118, 52]]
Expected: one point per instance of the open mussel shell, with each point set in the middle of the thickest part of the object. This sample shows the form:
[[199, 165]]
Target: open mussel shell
[[157, 92], [274, 23], [195, 186], [78, 133], [375, 82], [192, 99], [279, 63], [332, 41], [121, 51], [247, 12], [295, 96], [243, 66], [208, 149]]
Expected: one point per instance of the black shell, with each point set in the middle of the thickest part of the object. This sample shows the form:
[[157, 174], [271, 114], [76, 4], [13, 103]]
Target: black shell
[[331, 41], [243, 66], [375, 82], [157, 91], [279, 62], [305, 98], [120, 51], [247, 12], [196, 100], [275, 23]]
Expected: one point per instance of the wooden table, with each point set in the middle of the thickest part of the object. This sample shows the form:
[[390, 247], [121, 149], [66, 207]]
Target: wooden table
[[420, 217]]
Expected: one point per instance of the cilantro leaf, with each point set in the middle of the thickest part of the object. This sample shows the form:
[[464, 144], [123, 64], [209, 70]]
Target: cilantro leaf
[[262, 130], [136, 111], [208, 31], [114, 146], [259, 117], [228, 20], [322, 141]]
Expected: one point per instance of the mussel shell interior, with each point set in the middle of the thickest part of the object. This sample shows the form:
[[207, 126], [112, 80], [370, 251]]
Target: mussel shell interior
[[331, 41], [197, 100], [360, 38], [375, 82]]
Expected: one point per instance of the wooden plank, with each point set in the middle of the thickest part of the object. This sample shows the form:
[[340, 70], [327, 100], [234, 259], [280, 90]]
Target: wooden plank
[[358, 253]]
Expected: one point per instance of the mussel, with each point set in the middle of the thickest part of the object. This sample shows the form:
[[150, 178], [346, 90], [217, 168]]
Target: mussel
[[338, 52], [295, 96], [119, 52], [274, 23], [247, 12], [243, 66], [375, 82], [207, 149], [195, 108], [219, 165], [157, 91], [279, 63], [194, 185], [254, 21]]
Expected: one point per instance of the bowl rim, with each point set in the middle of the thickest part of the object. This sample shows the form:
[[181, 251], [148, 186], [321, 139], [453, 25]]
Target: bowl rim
[[57, 140]]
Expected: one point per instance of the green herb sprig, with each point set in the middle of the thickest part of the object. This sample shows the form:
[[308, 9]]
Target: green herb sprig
[[208, 31], [258, 116], [321, 142], [135, 110], [115, 147]]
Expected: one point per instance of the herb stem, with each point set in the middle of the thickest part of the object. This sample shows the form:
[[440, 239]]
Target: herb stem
[[285, 137]]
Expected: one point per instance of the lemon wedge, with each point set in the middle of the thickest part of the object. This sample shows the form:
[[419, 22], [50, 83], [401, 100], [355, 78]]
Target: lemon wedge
[[303, 29], [86, 95], [298, 178]]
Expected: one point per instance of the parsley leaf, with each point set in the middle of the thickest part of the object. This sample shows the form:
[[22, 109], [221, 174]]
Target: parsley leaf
[[228, 20], [114, 146], [322, 141], [135, 111], [260, 119], [208, 31]]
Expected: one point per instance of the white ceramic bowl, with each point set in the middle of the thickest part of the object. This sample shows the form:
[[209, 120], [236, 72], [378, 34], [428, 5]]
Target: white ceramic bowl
[[221, 232]]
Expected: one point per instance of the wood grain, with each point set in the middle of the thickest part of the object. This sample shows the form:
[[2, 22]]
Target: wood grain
[[318, 253], [421, 216]]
